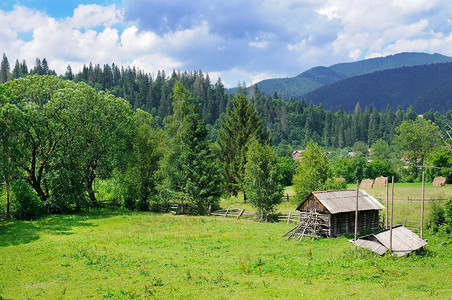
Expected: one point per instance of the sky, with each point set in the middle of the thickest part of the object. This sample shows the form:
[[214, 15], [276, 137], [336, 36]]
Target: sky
[[237, 41]]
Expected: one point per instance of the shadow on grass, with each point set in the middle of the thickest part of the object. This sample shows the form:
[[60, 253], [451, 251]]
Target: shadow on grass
[[17, 232]]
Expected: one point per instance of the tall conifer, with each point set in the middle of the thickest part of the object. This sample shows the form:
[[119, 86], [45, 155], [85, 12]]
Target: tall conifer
[[240, 125]]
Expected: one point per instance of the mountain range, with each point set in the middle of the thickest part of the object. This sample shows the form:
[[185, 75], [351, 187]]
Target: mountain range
[[419, 79]]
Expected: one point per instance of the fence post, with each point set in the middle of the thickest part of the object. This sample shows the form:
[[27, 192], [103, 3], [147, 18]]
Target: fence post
[[240, 214], [227, 212], [288, 219]]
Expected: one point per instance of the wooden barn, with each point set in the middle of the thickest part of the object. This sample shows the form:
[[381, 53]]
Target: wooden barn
[[332, 213]]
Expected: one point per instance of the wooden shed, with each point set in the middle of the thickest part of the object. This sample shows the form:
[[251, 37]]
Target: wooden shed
[[332, 213]]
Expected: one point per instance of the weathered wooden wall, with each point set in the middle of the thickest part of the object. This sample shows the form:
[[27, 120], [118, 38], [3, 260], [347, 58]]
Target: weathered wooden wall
[[344, 223], [313, 204]]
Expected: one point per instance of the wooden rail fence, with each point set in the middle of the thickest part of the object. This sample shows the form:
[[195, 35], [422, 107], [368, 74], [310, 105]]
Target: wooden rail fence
[[238, 213], [294, 218], [414, 226]]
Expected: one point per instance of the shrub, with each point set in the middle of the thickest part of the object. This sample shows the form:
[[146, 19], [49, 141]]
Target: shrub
[[25, 204], [448, 214], [437, 219]]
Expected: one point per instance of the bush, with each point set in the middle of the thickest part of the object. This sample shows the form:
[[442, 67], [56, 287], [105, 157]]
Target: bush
[[437, 219], [287, 167], [25, 204], [448, 214]]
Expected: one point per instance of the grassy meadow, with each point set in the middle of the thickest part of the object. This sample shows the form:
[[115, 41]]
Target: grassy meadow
[[118, 254]]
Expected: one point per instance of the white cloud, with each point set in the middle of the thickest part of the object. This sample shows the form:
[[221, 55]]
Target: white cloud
[[153, 62], [72, 41], [92, 15], [388, 25], [239, 42], [258, 44], [133, 41]]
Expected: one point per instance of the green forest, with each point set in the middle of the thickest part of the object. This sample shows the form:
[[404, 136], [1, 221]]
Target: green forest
[[155, 139]]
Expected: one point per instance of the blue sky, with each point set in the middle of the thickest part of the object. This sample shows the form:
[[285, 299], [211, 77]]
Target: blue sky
[[236, 40]]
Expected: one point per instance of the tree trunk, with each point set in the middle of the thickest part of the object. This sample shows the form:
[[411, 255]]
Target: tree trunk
[[36, 185], [244, 197], [7, 195], [91, 194], [89, 179]]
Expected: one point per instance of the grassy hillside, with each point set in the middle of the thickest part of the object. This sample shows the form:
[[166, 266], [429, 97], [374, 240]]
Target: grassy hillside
[[108, 254]]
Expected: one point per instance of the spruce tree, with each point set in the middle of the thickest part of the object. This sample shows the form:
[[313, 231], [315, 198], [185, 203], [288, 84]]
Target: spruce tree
[[191, 167], [200, 169], [240, 125], [16, 71], [24, 68], [4, 70]]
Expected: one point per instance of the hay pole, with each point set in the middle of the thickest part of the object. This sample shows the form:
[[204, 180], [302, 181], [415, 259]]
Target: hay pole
[[392, 211], [387, 204], [356, 210], [422, 205]]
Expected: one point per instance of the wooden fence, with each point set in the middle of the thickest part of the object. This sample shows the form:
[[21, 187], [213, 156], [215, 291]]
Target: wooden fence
[[294, 218], [237, 213], [408, 199], [242, 214], [414, 226]]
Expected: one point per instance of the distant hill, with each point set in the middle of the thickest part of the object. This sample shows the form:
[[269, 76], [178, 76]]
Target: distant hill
[[318, 77], [425, 87]]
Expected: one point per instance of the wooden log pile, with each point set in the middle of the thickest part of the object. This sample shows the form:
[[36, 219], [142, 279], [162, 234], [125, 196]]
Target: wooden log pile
[[312, 224]]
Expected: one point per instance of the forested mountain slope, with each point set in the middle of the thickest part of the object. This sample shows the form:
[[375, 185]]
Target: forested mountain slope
[[291, 122], [424, 87], [317, 77]]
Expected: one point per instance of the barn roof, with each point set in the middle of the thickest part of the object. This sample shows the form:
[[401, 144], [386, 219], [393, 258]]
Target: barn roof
[[345, 201], [404, 241]]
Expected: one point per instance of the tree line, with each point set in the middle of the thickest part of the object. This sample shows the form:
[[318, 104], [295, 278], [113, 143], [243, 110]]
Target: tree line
[[292, 123], [58, 137]]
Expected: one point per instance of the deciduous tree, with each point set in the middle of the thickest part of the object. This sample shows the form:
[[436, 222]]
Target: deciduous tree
[[262, 178], [314, 172], [417, 138]]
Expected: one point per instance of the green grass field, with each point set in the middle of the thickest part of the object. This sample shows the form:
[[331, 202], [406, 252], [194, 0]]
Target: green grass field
[[118, 254], [107, 254]]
